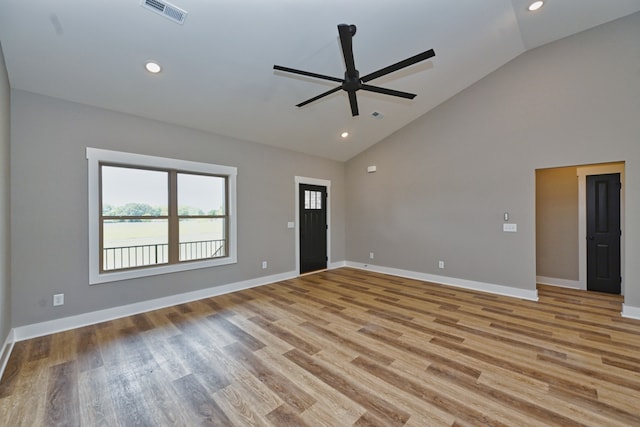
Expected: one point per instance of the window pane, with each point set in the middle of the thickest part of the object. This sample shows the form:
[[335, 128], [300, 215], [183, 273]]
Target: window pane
[[201, 195], [134, 192], [312, 199], [134, 243], [202, 238]]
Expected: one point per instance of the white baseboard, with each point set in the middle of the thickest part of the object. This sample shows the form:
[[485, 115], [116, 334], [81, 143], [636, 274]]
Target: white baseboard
[[5, 352], [562, 283], [491, 288], [339, 264], [58, 325], [630, 311]]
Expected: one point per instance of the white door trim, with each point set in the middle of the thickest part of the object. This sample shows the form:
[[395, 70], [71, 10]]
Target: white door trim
[[582, 173]]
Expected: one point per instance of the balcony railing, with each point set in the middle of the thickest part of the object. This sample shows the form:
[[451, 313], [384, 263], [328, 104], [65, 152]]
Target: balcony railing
[[158, 253], [202, 249]]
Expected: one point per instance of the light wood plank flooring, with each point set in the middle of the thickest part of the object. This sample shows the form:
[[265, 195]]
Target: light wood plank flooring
[[339, 348]]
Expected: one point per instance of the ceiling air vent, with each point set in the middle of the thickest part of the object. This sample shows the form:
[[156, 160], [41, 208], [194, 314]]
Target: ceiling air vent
[[165, 9]]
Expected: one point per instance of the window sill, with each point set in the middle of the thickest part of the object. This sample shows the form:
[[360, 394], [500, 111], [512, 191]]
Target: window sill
[[115, 276]]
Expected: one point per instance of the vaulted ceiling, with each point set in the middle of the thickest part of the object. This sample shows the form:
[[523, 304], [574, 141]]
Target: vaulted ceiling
[[217, 66]]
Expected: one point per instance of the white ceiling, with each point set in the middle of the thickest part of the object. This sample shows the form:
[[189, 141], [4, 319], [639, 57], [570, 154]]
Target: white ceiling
[[218, 66]]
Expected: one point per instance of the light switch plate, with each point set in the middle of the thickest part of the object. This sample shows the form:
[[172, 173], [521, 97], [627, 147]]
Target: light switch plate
[[510, 228], [58, 299], [291, 224]]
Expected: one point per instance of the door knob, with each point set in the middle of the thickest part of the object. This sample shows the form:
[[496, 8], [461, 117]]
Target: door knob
[[592, 237]]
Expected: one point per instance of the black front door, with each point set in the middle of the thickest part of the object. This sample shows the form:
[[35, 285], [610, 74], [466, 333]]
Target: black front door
[[313, 228], [603, 233]]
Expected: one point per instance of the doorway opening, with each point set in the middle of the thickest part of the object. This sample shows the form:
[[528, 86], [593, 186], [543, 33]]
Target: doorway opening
[[563, 256]]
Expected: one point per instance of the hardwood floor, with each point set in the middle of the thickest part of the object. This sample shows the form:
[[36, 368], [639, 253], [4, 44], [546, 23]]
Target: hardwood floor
[[339, 348]]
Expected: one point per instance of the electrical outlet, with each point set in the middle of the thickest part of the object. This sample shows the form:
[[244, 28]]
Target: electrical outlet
[[510, 228], [370, 255], [264, 264], [58, 299], [440, 264]]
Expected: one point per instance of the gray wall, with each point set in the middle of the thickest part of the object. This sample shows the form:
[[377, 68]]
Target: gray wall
[[442, 185], [444, 181], [5, 284], [557, 223], [49, 205]]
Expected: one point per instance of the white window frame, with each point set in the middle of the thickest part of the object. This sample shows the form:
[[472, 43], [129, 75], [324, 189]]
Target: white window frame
[[95, 156]]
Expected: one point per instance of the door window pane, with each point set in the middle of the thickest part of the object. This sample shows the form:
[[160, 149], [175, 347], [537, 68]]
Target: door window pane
[[312, 199]]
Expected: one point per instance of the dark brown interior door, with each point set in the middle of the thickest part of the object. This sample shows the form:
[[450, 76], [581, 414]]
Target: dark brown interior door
[[603, 233], [313, 228]]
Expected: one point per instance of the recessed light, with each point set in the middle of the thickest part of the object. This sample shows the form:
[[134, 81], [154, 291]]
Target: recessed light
[[153, 67], [535, 5], [344, 134]]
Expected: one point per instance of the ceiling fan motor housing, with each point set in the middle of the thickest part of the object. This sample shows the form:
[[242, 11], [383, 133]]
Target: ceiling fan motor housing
[[352, 83]]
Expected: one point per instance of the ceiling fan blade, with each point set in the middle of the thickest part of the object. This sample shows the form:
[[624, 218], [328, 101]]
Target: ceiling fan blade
[[353, 101], [399, 65], [388, 91], [346, 37], [307, 73], [322, 95]]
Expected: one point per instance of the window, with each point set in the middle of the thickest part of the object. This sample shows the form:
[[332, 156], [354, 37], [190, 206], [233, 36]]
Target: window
[[312, 199], [153, 215]]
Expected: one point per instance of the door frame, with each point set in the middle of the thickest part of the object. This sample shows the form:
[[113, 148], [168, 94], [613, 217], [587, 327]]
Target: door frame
[[311, 181], [582, 173]]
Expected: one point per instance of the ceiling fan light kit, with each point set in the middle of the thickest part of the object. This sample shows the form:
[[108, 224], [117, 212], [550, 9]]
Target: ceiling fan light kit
[[352, 82]]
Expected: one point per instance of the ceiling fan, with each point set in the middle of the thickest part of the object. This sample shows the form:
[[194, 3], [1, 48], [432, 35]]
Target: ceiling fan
[[352, 81]]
